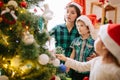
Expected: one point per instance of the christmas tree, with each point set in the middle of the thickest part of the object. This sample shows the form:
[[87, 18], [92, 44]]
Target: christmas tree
[[23, 36]]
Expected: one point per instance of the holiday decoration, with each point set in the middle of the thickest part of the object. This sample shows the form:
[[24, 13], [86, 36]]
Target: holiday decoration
[[9, 11], [23, 4], [43, 59], [1, 3], [56, 62], [14, 3], [62, 68], [1, 19], [86, 78], [59, 50], [57, 78], [23, 51], [48, 14], [28, 38], [4, 78]]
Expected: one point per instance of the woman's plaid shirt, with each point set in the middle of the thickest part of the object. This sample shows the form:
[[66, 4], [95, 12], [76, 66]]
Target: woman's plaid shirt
[[63, 37]]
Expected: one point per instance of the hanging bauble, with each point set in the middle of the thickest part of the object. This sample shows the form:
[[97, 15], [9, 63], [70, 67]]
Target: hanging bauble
[[57, 78], [9, 15], [43, 59], [86, 78], [62, 68], [41, 23], [53, 78], [4, 77], [102, 1], [13, 3], [26, 67], [1, 4], [48, 14], [56, 62], [23, 4], [15, 61], [28, 38], [1, 19]]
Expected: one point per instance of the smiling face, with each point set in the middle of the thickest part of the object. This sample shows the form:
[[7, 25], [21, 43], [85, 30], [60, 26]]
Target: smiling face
[[82, 28]]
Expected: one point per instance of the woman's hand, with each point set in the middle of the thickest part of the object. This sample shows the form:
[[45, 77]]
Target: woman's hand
[[61, 57]]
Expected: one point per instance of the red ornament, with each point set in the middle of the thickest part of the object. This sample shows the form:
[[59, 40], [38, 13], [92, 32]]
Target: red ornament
[[23, 4], [53, 78], [110, 21], [102, 1], [7, 20], [86, 78], [1, 3]]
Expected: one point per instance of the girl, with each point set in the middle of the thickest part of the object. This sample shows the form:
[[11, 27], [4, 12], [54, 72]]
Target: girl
[[107, 65]]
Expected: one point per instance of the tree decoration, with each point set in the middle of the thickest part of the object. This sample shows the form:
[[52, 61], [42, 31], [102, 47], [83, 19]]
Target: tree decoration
[[86, 78], [14, 3], [48, 14], [59, 50], [4, 77], [23, 4], [57, 78], [1, 4], [41, 23], [62, 68], [56, 62], [28, 38], [1, 19], [43, 59], [22, 43], [9, 11]]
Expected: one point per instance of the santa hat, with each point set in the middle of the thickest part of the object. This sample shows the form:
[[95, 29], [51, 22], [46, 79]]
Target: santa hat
[[88, 23], [76, 4], [110, 35]]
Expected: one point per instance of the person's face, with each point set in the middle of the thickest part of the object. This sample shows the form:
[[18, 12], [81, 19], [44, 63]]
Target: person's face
[[71, 14], [82, 28]]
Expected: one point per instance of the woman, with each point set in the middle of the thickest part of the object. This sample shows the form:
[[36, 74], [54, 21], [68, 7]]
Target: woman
[[66, 32]]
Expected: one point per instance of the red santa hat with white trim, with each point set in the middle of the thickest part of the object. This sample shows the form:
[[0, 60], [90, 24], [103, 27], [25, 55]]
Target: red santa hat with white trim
[[89, 24], [110, 35], [76, 4]]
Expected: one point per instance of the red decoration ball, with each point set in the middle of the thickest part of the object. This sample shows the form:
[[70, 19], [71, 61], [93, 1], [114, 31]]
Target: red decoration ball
[[53, 78], [23, 4], [1, 3], [86, 78]]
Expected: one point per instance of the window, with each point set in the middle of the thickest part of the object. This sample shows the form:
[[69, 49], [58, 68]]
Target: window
[[57, 6]]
